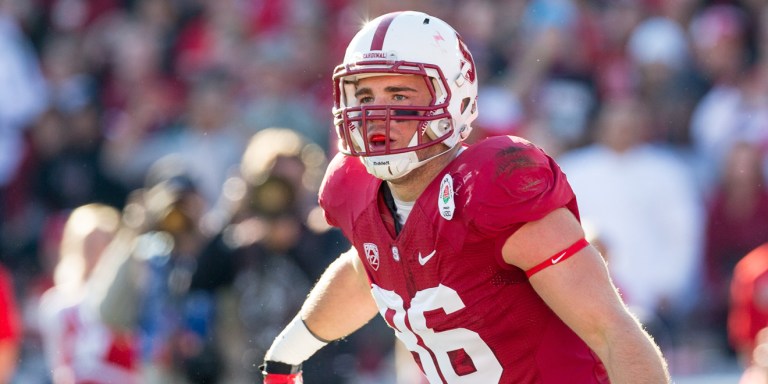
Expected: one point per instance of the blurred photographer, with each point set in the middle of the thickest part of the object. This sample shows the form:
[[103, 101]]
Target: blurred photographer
[[272, 246], [147, 272]]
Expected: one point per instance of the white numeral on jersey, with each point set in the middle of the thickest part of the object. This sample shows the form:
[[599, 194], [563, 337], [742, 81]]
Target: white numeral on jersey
[[488, 369]]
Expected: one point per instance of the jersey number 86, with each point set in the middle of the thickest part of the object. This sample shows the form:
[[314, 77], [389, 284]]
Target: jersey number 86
[[434, 349]]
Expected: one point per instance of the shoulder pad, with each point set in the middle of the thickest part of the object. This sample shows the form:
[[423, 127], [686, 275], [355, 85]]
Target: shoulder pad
[[516, 183], [346, 190]]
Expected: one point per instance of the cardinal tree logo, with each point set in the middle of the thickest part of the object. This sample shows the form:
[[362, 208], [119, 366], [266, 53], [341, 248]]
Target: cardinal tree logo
[[468, 64], [372, 255]]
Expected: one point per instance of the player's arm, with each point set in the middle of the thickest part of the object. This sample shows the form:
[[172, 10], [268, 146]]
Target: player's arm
[[341, 301], [578, 289], [339, 304]]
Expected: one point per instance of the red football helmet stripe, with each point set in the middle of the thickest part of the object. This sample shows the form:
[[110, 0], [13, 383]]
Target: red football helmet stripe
[[381, 31]]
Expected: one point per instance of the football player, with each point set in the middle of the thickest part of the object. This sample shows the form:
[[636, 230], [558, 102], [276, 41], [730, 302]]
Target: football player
[[474, 255]]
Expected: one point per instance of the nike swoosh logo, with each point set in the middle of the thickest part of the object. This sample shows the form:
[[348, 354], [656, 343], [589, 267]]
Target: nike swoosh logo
[[558, 258], [424, 260]]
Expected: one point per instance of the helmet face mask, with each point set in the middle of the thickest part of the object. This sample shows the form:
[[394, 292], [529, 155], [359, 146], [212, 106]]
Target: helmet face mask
[[356, 118], [405, 43]]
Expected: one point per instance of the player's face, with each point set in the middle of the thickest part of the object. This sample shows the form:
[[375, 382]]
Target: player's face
[[405, 90]]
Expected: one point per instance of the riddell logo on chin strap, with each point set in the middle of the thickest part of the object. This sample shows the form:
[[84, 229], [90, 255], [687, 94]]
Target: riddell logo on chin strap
[[381, 163]]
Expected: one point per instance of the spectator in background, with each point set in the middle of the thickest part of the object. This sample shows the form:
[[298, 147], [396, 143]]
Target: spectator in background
[[274, 48], [69, 84], [659, 50], [22, 91], [10, 327], [129, 52], [141, 102], [649, 213], [208, 139], [616, 77], [273, 246], [67, 146], [736, 224], [734, 109], [22, 98], [270, 75], [60, 172], [213, 37], [79, 348], [146, 272], [551, 72], [748, 310], [756, 362]]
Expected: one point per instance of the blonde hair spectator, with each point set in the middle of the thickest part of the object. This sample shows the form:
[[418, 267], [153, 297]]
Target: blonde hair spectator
[[88, 231]]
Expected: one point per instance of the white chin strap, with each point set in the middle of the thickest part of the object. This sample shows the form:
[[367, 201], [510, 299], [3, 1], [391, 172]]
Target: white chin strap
[[391, 167]]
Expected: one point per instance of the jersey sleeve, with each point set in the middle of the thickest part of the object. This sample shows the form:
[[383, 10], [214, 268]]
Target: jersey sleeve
[[329, 196], [518, 183], [344, 191]]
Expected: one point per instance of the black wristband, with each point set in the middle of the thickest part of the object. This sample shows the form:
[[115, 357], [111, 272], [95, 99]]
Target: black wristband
[[279, 368]]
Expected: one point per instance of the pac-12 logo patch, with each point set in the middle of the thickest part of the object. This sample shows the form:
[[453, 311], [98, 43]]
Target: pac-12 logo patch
[[372, 255]]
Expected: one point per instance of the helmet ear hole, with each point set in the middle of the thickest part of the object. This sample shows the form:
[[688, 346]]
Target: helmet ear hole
[[464, 104], [438, 129]]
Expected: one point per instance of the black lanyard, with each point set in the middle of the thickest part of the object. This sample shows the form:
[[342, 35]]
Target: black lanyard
[[389, 200]]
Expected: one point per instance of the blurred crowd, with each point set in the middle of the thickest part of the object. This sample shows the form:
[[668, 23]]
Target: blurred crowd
[[159, 163]]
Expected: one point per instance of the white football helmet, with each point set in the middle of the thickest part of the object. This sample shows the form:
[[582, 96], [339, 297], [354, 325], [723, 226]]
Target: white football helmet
[[405, 43]]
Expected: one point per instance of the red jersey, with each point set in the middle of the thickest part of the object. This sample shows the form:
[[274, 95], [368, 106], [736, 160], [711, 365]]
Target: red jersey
[[442, 284], [748, 312], [10, 319], [80, 348]]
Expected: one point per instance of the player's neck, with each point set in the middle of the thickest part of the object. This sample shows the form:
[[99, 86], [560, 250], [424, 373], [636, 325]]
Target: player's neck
[[409, 187]]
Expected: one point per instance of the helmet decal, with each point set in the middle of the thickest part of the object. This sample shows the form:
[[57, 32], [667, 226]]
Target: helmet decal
[[469, 73], [438, 37]]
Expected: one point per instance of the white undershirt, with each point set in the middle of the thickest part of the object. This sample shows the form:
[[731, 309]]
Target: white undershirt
[[403, 209]]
